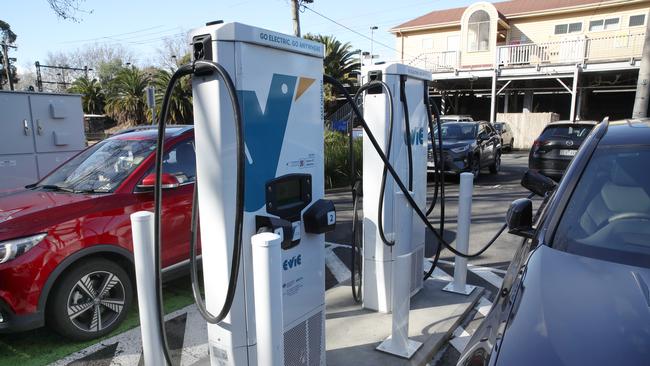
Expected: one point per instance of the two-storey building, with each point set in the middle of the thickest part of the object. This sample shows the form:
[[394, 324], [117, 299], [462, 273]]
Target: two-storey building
[[577, 58]]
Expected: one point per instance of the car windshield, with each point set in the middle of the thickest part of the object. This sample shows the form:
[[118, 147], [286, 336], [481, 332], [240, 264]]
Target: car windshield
[[567, 131], [101, 168], [457, 131], [608, 215]]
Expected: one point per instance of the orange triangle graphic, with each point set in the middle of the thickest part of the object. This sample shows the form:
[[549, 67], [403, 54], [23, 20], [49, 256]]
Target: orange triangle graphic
[[303, 85]]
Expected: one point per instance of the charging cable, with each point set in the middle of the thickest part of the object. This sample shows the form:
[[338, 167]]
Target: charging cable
[[421, 215], [199, 68]]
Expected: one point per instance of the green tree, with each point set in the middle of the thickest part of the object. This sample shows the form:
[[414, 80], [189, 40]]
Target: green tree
[[127, 101], [180, 107], [7, 36], [340, 58], [92, 94], [340, 62]]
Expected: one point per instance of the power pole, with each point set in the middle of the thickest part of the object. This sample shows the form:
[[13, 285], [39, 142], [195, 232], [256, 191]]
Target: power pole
[[295, 13], [643, 82]]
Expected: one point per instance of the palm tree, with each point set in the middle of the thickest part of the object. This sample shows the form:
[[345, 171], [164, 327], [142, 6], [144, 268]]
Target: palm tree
[[340, 58], [339, 62], [92, 94], [127, 102], [180, 107]]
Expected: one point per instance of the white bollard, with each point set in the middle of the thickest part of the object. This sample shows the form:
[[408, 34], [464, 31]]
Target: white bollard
[[267, 289], [398, 343], [143, 253], [459, 284]]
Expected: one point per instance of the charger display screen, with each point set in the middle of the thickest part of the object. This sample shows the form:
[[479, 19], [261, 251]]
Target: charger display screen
[[287, 193]]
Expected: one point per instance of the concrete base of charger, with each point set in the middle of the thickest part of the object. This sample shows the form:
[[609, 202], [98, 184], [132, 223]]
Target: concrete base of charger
[[353, 333]]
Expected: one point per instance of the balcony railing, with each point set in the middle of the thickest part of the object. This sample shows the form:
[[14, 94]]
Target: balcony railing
[[437, 61], [613, 47]]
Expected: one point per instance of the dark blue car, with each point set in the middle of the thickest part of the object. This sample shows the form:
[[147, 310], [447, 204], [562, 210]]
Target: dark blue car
[[578, 289]]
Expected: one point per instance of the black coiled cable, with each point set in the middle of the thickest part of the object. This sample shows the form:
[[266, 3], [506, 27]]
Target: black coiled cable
[[199, 67]]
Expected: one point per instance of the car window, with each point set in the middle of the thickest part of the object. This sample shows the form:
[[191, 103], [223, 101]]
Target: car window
[[608, 214], [181, 162], [458, 131], [481, 129], [101, 168], [567, 131]]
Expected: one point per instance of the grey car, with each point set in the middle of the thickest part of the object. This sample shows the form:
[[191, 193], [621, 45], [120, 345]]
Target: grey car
[[577, 290], [507, 138]]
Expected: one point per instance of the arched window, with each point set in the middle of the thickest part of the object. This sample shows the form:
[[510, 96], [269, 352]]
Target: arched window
[[478, 31]]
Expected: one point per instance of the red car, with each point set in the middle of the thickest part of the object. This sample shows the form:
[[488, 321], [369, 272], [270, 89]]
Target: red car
[[66, 256]]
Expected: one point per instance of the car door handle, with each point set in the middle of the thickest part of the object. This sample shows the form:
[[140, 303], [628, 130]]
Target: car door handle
[[39, 128], [25, 128]]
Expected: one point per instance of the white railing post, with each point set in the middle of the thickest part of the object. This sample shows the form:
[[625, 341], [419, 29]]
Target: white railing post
[[267, 290], [459, 284], [143, 255]]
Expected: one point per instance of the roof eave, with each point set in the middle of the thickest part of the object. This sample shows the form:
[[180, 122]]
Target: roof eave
[[424, 27]]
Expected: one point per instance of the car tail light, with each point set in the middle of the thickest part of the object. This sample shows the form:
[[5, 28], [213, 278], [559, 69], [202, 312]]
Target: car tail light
[[538, 143]]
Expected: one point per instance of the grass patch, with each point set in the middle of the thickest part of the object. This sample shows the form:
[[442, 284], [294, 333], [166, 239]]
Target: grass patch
[[43, 346]]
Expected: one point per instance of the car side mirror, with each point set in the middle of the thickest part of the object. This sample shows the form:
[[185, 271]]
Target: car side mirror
[[168, 181], [520, 218], [537, 183]]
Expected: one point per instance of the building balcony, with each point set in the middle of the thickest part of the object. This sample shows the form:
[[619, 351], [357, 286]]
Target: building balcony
[[437, 61], [602, 49], [593, 49]]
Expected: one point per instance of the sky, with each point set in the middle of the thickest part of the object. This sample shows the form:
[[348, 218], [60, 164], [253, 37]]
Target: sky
[[141, 25]]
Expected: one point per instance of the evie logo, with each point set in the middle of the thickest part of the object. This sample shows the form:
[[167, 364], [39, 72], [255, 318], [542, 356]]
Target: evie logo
[[295, 261], [417, 136]]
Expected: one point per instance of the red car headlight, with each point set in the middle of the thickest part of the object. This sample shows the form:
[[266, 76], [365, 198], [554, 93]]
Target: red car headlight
[[11, 249]]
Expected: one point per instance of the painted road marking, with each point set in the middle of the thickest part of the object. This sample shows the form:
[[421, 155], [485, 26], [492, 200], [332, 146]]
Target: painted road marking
[[460, 340], [336, 266]]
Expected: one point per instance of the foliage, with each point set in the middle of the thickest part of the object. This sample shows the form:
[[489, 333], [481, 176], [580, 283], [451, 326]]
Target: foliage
[[180, 107], [127, 101], [337, 162], [7, 36], [340, 62], [92, 94]]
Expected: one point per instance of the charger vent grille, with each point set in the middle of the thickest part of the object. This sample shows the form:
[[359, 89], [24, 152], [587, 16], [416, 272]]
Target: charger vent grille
[[303, 344]]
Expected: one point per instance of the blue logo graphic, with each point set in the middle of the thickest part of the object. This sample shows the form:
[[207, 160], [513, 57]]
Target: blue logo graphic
[[417, 136], [264, 135], [293, 262]]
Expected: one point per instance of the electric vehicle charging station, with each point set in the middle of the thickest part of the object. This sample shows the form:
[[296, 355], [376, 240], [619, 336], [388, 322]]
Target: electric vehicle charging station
[[279, 83], [407, 83], [271, 85], [258, 110]]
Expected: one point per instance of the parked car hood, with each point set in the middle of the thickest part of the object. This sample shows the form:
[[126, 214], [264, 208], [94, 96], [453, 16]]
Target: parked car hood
[[35, 209], [451, 144], [574, 310]]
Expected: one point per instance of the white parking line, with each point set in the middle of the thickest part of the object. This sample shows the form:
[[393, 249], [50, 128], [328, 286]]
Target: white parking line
[[484, 305], [195, 345], [437, 274], [336, 266], [128, 350], [472, 267], [127, 341], [460, 339]]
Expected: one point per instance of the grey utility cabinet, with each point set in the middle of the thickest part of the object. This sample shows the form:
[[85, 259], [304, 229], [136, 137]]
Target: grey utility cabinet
[[38, 132]]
